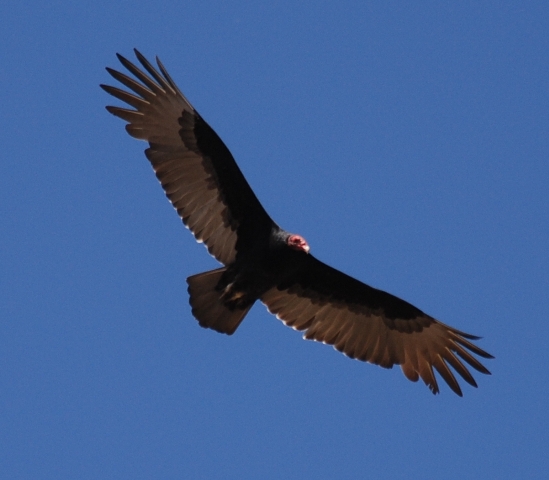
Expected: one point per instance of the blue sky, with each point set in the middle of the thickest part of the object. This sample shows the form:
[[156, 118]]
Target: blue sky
[[407, 141]]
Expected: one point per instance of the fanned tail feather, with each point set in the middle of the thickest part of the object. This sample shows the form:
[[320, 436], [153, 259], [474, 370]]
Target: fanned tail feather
[[207, 306]]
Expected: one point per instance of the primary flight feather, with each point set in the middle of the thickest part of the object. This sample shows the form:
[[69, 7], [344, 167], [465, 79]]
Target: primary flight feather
[[264, 262]]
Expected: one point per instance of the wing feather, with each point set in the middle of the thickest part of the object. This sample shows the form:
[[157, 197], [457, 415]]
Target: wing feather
[[371, 325], [195, 168]]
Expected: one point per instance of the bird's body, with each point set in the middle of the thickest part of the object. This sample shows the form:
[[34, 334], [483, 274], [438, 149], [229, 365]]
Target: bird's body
[[264, 262], [244, 281]]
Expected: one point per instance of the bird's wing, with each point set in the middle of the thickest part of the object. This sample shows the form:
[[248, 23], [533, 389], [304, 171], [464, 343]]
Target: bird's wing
[[197, 171], [372, 325]]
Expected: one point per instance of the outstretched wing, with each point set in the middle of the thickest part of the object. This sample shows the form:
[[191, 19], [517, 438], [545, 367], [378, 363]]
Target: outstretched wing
[[196, 169], [372, 325]]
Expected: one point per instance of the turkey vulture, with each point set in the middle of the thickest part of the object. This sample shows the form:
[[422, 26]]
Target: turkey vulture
[[264, 262]]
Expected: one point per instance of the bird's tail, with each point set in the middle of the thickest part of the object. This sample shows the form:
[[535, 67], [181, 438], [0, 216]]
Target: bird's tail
[[207, 306]]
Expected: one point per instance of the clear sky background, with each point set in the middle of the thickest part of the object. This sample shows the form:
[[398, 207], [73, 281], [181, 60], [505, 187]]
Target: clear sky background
[[407, 141]]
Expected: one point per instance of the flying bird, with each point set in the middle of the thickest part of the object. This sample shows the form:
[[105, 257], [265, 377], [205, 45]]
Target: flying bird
[[263, 261]]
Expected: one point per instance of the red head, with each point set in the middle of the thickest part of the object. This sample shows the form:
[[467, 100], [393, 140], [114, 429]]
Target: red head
[[297, 242]]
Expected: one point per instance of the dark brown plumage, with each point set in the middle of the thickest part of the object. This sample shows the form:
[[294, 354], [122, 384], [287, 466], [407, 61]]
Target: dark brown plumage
[[264, 262]]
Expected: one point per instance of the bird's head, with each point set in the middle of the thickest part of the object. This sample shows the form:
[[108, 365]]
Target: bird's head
[[297, 242]]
